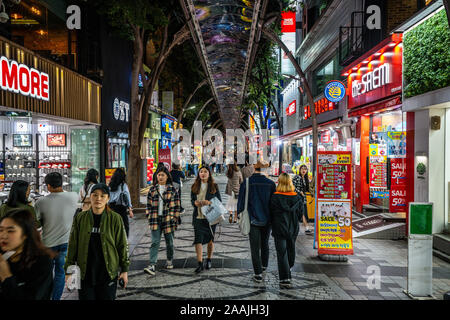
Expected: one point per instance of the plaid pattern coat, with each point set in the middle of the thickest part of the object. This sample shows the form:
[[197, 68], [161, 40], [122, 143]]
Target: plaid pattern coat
[[171, 213]]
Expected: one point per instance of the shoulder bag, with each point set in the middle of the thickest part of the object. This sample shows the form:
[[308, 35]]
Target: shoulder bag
[[244, 219]]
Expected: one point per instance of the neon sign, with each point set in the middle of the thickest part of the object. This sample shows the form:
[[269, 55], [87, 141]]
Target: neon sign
[[372, 80], [19, 78]]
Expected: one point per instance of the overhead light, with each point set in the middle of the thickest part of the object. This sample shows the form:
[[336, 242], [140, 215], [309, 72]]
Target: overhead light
[[365, 61], [3, 15]]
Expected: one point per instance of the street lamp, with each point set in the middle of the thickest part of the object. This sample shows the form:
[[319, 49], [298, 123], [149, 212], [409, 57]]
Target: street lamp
[[294, 78]]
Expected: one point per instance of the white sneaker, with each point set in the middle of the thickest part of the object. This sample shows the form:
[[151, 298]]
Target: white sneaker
[[169, 264], [151, 270]]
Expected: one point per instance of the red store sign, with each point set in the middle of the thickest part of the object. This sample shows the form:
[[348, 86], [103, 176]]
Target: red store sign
[[292, 108], [287, 22], [397, 193], [321, 106], [378, 76], [19, 78]]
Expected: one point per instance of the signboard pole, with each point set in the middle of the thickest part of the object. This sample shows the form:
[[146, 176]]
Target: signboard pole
[[420, 251]]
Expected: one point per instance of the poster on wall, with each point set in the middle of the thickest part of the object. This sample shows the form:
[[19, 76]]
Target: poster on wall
[[396, 144], [334, 202], [335, 227], [378, 172], [56, 140], [397, 193]]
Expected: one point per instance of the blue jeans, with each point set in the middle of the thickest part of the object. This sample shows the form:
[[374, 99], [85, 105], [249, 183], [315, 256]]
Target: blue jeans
[[59, 274], [156, 241]]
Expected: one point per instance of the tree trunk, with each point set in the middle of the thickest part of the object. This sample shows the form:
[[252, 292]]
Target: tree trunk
[[272, 36], [139, 113], [133, 174]]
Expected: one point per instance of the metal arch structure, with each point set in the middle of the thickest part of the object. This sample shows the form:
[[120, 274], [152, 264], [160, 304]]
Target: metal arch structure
[[226, 35]]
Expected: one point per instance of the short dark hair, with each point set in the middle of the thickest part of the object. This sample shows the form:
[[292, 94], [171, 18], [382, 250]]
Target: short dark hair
[[54, 179]]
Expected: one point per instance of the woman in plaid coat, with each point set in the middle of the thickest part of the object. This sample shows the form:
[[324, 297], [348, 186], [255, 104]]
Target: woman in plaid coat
[[163, 205]]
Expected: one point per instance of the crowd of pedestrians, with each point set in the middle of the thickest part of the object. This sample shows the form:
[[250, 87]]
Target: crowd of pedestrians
[[40, 243]]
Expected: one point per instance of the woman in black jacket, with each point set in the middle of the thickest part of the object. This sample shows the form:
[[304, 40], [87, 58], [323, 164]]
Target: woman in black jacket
[[285, 210], [202, 191], [27, 274], [301, 184]]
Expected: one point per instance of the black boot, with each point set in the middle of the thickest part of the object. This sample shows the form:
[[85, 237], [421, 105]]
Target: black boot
[[208, 264], [200, 267]]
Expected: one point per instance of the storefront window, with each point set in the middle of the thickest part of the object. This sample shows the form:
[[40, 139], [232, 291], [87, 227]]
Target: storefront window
[[85, 154]]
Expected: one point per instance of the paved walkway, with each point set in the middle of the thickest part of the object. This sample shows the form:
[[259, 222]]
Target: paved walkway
[[230, 277]]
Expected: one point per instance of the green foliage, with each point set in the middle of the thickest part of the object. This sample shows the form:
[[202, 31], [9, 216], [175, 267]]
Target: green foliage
[[427, 56], [123, 14]]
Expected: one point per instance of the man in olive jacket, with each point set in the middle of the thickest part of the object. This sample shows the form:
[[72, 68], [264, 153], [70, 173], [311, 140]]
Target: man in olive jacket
[[98, 245]]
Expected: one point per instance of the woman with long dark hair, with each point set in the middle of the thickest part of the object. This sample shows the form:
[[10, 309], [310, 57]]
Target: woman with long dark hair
[[90, 180], [120, 200], [18, 198], [301, 184], [26, 266], [235, 179], [202, 191], [163, 206]]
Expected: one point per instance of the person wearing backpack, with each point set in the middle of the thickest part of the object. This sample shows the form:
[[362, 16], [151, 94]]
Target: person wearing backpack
[[120, 200], [285, 211]]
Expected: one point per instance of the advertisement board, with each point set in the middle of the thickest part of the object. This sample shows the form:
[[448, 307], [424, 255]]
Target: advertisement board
[[397, 193], [164, 157], [334, 202]]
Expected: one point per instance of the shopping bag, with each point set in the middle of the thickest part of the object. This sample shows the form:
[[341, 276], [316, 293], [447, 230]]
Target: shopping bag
[[74, 280], [244, 219], [215, 212]]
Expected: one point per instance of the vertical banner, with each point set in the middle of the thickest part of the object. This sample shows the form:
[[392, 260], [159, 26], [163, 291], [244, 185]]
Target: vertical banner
[[334, 202], [288, 26], [397, 196], [164, 157]]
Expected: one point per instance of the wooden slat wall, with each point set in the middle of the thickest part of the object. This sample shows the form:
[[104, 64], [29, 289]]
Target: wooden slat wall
[[71, 95]]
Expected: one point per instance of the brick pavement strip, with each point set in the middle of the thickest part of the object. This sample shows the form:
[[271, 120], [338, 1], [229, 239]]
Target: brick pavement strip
[[231, 278]]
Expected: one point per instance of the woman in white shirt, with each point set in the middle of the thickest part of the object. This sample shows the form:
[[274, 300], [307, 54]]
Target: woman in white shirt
[[202, 191]]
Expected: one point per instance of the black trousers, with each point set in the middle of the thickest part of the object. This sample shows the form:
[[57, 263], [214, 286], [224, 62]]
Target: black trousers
[[285, 256], [122, 211], [259, 247], [98, 292]]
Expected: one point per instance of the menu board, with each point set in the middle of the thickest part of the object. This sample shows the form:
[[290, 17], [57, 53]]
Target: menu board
[[397, 196], [334, 202], [334, 175], [378, 172]]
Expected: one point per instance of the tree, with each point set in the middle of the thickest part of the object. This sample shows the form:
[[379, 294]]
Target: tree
[[139, 21]]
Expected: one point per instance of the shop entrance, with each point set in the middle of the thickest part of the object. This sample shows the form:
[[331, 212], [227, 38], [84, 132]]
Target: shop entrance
[[386, 162]]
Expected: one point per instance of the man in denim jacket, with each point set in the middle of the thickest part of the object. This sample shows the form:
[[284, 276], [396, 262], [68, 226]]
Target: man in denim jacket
[[261, 190]]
